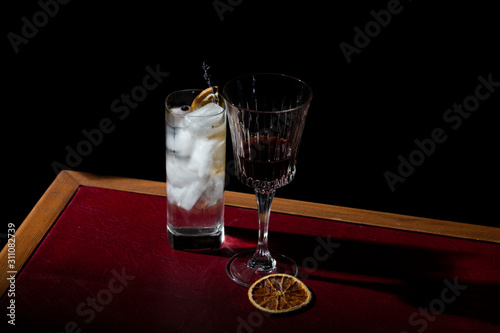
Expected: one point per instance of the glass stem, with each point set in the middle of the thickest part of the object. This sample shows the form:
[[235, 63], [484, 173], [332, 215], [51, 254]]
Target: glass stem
[[262, 260]]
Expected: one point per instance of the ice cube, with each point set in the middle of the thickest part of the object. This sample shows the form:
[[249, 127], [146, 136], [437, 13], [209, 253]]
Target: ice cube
[[178, 111], [179, 140], [218, 155], [176, 118], [178, 173], [208, 116], [210, 109], [201, 160], [173, 193], [187, 196], [215, 188]]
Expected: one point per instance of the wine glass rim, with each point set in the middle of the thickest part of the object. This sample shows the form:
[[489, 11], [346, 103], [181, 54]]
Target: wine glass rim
[[307, 101]]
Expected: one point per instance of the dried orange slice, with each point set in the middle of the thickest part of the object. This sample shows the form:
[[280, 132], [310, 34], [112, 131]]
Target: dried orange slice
[[279, 293], [207, 96]]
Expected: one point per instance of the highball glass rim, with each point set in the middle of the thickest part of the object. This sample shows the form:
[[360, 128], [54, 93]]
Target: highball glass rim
[[184, 115]]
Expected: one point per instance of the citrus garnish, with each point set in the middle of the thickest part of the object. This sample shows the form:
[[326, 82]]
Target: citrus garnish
[[207, 96], [279, 293]]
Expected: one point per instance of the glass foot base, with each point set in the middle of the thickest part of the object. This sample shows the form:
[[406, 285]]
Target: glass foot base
[[238, 270], [196, 243]]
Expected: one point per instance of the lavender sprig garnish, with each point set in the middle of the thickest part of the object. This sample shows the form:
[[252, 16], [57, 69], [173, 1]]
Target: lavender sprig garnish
[[206, 76]]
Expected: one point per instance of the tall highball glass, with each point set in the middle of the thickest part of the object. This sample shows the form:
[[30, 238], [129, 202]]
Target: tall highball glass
[[195, 165], [267, 113]]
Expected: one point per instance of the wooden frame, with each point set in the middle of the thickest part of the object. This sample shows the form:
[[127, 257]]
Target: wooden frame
[[61, 191]]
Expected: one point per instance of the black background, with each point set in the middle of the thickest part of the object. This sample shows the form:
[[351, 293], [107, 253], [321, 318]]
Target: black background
[[364, 114]]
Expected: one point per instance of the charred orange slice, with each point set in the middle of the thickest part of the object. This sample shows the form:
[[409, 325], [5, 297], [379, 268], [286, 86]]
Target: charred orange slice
[[279, 293], [207, 96]]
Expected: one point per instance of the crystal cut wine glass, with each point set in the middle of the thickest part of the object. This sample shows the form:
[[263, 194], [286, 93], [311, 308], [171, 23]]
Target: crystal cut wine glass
[[267, 113]]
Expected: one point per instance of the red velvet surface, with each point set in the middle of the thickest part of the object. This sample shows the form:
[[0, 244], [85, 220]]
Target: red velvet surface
[[106, 266]]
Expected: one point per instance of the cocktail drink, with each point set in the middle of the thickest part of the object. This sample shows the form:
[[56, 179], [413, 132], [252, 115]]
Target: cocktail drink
[[266, 113], [195, 159]]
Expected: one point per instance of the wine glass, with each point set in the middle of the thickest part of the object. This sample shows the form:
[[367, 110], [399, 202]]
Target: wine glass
[[267, 113]]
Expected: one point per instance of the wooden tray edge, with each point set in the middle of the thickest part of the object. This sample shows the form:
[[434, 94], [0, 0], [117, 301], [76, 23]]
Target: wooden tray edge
[[315, 210], [41, 218], [59, 193]]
